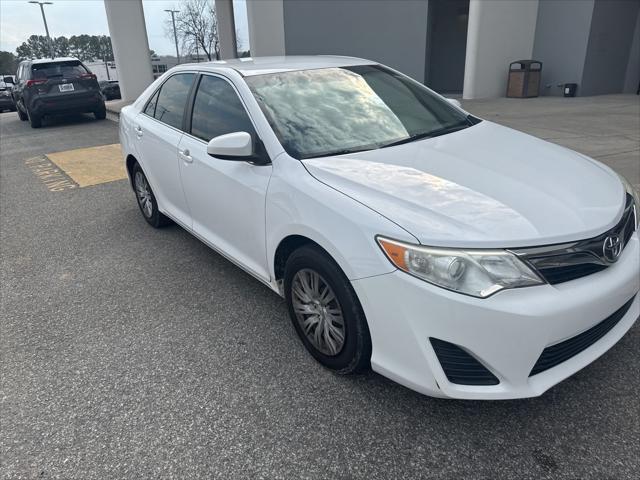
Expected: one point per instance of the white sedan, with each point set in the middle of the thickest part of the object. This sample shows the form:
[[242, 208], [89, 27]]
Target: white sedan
[[455, 256]]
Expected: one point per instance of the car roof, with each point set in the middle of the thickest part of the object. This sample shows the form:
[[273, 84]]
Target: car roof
[[260, 65], [52, 60]]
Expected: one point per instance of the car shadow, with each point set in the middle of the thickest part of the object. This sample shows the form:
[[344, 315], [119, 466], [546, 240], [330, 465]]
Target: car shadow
[[68, 119]]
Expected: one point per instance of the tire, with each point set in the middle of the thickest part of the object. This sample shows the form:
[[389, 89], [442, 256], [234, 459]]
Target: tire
[[148, 209], [354, 354], [101, 114], [21, 115], [34, 120]]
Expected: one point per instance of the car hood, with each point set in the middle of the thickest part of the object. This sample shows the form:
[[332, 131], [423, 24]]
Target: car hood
[[484, 186]]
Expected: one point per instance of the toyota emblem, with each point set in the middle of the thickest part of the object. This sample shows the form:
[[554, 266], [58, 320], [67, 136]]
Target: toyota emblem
[[612, 248]]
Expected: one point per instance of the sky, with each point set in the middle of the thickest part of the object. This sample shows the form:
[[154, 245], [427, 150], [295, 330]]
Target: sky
[[20, 19]]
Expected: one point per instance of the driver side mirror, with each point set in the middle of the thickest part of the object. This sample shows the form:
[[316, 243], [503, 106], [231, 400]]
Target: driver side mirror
[[8, 80], [237, 146]]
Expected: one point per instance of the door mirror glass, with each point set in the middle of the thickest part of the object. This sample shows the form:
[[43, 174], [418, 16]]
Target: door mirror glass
[[454, 102], [8, 80], [231, 146]]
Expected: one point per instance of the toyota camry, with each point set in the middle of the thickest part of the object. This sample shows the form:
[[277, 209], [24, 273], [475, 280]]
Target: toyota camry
[[453, 255]]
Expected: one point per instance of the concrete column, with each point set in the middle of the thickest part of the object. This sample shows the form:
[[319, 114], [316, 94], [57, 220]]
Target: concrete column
[[266, 27], [499, 32], [226, 29], [130, 46]]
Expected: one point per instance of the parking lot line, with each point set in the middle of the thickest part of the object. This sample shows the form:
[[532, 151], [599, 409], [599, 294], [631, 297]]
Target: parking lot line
[[52, 176], [91, 166]]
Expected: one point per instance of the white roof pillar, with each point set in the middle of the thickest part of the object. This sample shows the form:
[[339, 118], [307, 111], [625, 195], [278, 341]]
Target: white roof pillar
[[499, 32], [130, 46], [226, 29]]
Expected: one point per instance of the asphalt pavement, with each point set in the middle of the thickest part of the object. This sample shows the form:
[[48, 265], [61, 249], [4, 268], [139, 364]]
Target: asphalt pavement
[[128, 352]]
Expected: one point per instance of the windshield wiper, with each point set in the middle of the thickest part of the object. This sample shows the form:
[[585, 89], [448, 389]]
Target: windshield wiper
[[340, 152], [418, 136], [431, 134]]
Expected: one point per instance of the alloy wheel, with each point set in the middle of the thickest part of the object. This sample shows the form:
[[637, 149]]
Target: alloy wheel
[[143, 192]]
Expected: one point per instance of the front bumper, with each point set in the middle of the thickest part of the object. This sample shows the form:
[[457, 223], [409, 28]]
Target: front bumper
[[506, 332]]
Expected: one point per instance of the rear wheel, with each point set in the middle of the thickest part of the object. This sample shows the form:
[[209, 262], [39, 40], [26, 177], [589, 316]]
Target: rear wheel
[[35, 120], [147, 200], [101, 113], [326, 312]]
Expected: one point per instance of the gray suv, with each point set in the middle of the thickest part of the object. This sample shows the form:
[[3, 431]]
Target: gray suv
[[56, 86]]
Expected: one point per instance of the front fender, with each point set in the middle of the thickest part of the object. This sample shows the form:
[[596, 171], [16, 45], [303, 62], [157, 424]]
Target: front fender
[[298, 204]]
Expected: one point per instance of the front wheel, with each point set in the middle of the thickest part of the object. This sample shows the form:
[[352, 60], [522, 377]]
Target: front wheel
[[21, 115], [147, 200], [326, 312]]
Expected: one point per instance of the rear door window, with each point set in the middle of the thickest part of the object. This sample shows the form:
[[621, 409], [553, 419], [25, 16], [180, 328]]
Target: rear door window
[[172, 99]]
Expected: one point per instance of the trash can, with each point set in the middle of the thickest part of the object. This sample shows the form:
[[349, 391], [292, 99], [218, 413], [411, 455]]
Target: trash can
[[570, 89], [524, 79]]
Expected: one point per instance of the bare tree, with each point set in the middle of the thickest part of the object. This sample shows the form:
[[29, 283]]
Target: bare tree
[[197, 28]]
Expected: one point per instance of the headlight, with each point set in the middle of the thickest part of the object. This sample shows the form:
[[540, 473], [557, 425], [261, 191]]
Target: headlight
[[636, 197], [479, 273]]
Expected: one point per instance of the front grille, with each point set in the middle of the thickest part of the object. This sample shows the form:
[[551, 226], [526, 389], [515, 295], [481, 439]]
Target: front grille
[[459, 366], [556, 354], [570, 261], [569, 272]]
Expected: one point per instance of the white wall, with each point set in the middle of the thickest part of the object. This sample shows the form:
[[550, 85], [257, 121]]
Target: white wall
[[562, 36], [266, 27], [389, 32], [130, 46], [499, 32]]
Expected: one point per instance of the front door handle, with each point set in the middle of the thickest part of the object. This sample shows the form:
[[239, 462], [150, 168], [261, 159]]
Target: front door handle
[[185, 155]]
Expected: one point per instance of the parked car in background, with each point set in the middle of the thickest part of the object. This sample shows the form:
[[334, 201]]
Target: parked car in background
[[458, 257], [56, 86], [110, 89], [6, 100]]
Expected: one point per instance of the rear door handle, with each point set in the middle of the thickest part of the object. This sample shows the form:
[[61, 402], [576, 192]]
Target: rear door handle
[[185, 155], [138, 130]]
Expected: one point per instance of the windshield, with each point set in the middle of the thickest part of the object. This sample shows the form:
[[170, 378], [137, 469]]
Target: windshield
[[68, 69], [333, 111]]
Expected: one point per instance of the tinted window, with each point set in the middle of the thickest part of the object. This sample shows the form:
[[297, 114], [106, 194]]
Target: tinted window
[[218, 110], [173, 99], [150, 109], [69, 69]]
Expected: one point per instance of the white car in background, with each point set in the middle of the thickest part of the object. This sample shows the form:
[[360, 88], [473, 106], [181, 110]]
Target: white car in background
[[455, 256]]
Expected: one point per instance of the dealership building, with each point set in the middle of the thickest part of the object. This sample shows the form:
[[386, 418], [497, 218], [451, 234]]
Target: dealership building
[[453, 46]]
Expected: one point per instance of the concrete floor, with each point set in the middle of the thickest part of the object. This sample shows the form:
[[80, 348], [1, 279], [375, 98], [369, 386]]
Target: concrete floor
[[128, 352]]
